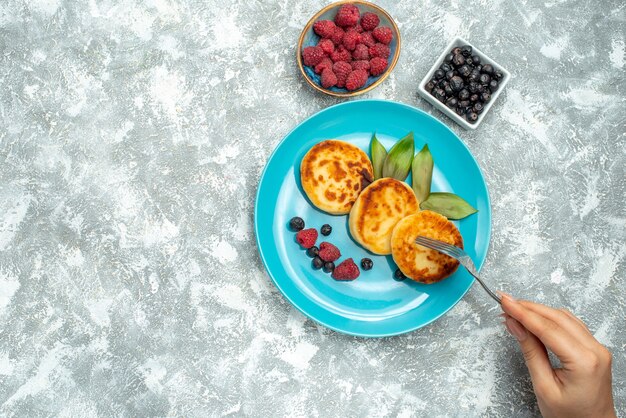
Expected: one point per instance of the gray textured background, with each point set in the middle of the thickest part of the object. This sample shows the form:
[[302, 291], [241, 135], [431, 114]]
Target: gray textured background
[[132, 137]]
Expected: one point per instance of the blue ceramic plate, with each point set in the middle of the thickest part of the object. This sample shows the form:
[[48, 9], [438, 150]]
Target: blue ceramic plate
[[374, 305]]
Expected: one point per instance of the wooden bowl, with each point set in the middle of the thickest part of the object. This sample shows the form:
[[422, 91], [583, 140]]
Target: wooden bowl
[[310, 38]]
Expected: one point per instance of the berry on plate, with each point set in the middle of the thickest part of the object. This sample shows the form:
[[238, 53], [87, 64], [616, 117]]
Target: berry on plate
[[307, 237], [346, 270], [328, 252], [317, 263], [367, 264], [313, 252], [296, 223]]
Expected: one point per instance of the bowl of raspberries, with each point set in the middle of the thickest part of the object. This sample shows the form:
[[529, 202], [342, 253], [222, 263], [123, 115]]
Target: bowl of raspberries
[[348, 48]]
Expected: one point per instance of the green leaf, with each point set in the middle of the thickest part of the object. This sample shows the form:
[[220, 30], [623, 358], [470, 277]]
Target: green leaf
[[378, 153], [449, 205], [398, 162], [422, 173]]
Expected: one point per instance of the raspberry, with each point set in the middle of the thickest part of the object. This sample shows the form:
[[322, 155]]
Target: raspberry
[[329, 79], [383, 34], [378, 66], [361, 52], [351, 39], [307, 237], [326, 63], [327, 46], [356, 79], [361, 65], [337, 36], [347, 270], [328, 252], [379, 50], [341, 70], [312, 55], [348, 15], [369, 21], [341, 54], [324, 28], [358, 28], [368, 39]]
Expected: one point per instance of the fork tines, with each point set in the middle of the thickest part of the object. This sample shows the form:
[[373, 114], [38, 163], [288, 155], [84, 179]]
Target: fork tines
[[440, 246]]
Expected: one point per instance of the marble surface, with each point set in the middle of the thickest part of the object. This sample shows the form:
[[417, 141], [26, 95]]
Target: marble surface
[[132, 137]]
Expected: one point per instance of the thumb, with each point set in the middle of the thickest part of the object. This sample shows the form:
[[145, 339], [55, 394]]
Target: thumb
[[535, 354]]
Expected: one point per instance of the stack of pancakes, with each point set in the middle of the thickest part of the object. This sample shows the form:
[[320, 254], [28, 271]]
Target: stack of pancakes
[[384, 215]]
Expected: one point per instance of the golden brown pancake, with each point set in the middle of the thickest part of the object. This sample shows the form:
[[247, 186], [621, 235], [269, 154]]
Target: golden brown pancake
[[420, 263], [333, 173], [377, 210]]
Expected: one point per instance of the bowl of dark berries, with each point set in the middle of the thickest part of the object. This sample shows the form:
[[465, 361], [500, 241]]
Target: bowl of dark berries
[[464, 83], [348, 48]]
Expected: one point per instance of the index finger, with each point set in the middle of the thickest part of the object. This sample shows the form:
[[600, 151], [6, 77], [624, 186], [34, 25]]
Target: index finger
[[561, 343]]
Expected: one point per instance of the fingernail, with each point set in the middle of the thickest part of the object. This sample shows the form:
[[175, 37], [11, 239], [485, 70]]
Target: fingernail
[[507, 327], [506, 296], [516, 329]]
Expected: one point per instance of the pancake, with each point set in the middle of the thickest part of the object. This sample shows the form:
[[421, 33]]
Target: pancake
[[377, 210], [333, 174], [420, 263]]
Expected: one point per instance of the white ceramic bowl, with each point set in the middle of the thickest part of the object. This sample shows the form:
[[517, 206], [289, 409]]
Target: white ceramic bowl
[[445, 109]]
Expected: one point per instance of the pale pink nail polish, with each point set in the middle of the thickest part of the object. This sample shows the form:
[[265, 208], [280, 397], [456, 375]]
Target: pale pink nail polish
[[506, 296]]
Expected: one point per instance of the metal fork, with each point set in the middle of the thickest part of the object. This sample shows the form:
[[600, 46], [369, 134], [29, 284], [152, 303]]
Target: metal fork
[[458, 254]]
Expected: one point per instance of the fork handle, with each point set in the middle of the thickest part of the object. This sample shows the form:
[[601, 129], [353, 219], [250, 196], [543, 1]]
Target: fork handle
[[493, 295]]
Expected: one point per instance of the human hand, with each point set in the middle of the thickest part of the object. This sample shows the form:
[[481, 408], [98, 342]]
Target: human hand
[[582, 386]]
